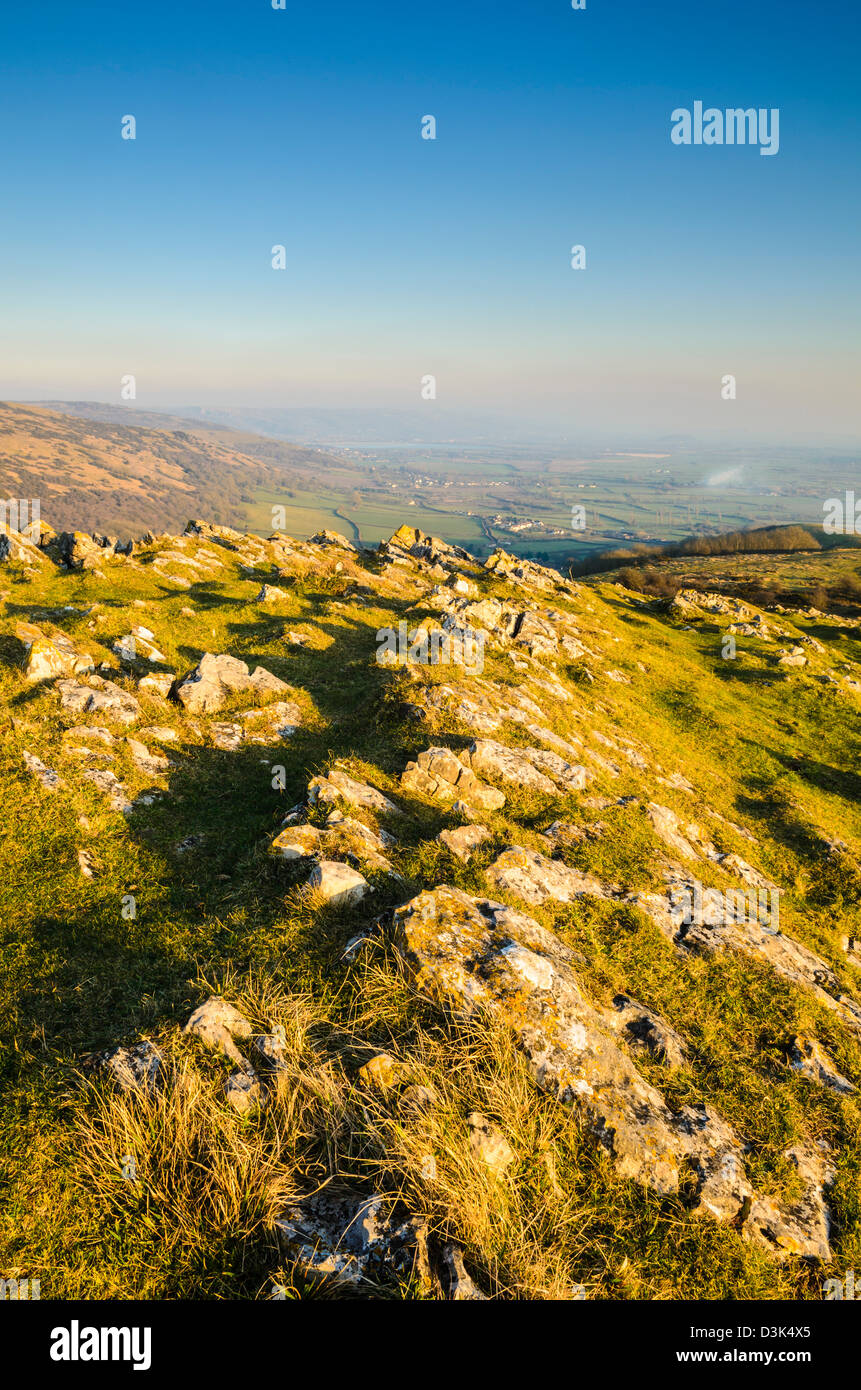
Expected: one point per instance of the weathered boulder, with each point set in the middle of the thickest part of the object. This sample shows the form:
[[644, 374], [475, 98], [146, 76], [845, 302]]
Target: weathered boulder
[[135, 1068], [337, 883], [352, 1239], [533, 877], [335, 786], [99, 696], [209, 686], [809, 1057], [464, 840], [51, 656]]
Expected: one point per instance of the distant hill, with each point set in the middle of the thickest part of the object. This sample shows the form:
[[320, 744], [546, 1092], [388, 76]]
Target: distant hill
[[91, 469]]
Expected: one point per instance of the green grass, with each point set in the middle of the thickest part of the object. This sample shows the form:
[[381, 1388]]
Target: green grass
[[776, 753]]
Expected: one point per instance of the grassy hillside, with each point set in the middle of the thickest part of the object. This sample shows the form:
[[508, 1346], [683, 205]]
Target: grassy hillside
[[122, 911], [118, 477]]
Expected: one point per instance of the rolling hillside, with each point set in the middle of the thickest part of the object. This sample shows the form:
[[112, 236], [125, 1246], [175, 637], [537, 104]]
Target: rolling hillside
[[526, 973], [104, 475]]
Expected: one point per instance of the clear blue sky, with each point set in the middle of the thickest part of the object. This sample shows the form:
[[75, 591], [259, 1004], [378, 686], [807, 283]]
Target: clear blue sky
[[408, 257]]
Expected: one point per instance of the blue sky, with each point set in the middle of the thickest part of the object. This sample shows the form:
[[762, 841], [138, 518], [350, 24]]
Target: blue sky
[[407, 257]]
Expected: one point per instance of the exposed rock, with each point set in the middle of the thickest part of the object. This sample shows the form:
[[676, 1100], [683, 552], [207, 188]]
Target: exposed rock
[[727, 925], [460, 1286], [135, 1068], [488, 1143], [90, 731], [86, 863], [382, 1072], [215, 678], [49, 657], [471, 954], [335, 786], [151, 764], [216, 1022], [77, 551], [99, 696], [161, 733], [270, 593], [535, 768], [440, 775], [526, 572], [297, 842], [337, 883], [158, 683], [809, 1057], [666, 824], [332, 538], [109, 785], [417, 1099], [137, 645], [243, 1091], [645, 1029], [464, 840], [353, 1239], [50, 779], [531, 876]]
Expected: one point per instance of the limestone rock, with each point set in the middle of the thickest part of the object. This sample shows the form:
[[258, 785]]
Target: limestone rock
[[332, 538], [645, 1029], [809, 1057], [352, 1239], [533, 877], [110, 785], [135, 1068], [440, 775], [461, 1287], [216, 1022], [99, 696], [86, 863], [50, 779], [382, 1072], [50, 657], [151, 764], [488, 1143], [243, 1091], [336, 786], [472, 954], [535, 768], [158, 683], [208, 687], [464, 840], [337, 883]]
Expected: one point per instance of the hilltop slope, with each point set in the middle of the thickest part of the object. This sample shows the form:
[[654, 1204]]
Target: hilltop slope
[[533, 967], [105, 472]]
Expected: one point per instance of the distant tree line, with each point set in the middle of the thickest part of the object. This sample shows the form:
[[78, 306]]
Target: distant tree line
[[758, 540]]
